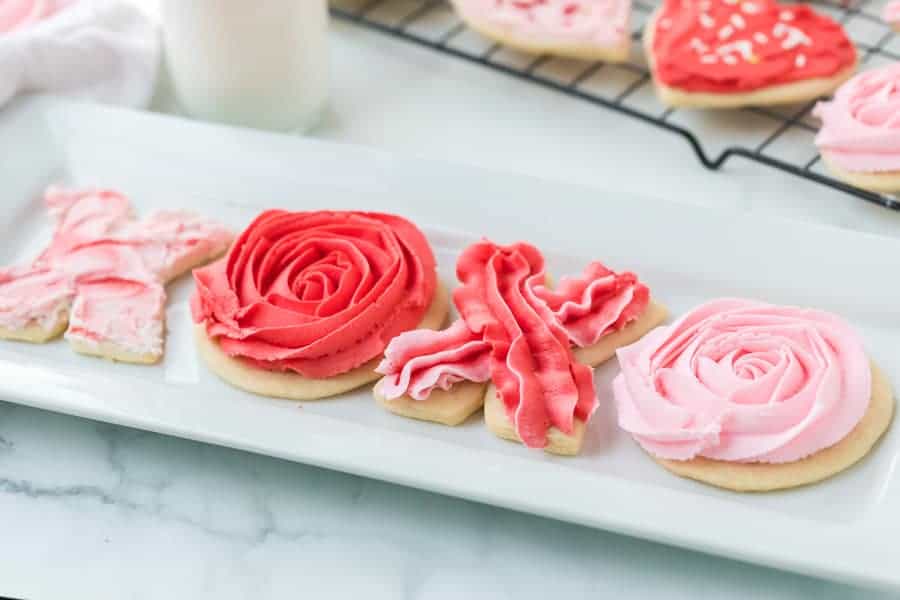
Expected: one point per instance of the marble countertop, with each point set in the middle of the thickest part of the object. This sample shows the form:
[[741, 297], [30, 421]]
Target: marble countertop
[[94, 511]]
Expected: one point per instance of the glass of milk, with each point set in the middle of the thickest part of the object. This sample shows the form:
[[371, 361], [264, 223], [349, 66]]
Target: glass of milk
[[259, 64]]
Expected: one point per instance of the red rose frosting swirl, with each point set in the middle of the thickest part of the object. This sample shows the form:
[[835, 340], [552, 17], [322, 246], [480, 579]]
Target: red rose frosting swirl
[[518, 333], [728, 46], [318, 293], [744, 381]]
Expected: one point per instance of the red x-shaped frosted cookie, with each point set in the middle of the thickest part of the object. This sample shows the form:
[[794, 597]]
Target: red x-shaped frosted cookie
[[728, 53]]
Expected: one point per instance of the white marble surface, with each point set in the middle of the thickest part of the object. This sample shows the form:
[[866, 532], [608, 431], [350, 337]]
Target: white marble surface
[[95, 511]]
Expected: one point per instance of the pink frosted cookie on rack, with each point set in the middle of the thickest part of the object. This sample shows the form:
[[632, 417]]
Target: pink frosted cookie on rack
[[101, 277], [891, 14], [732, 53], [751, 396], [860, 136], [583, 29], [522, 350]]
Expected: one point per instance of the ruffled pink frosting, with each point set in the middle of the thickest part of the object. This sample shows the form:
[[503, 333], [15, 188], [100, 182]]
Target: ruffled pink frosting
[[744, 381], [891, 12], [519, 333], [20, 14], [107, 267], [861, 125], [601, 22], [420, 361]]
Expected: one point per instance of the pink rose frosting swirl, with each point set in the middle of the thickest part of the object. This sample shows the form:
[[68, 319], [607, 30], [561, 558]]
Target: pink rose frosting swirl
[[861, 125], [744, 381], [20, 14]]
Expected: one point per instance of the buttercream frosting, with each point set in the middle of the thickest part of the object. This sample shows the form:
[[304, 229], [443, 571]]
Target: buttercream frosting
[[600, 22], [107, 267], [743, 381], [728, 46], [20, 14], [861, 125], [518, 333], [318, 293]]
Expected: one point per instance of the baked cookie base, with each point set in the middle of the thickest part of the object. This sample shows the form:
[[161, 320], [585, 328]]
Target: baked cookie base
[[785, 93], [605, 348], [538, 45], [114, 353], [766, 477], [293, 386], [447, 407], [499, 423], [34, 333], [881, 182]]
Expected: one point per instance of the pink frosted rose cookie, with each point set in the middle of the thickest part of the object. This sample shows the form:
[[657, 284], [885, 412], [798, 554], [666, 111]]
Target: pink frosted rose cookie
[[752, 396], [860, 136], [585, 29]]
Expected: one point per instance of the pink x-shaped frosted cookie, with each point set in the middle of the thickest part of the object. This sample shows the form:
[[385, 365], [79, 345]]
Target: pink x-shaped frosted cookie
[[103, 273]]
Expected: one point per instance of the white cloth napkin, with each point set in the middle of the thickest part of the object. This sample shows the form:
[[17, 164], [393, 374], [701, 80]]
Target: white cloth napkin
[[102, 50]]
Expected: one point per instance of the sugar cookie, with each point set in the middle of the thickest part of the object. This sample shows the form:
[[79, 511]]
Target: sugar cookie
[[516, 331], [101, 278], [732, 53], [304, 303], [751, 396], [859, 140], [581, 29]]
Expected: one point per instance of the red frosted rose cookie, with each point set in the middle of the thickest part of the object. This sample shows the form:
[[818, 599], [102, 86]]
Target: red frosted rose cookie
[[535, 344], [304, 303], [730, 53]]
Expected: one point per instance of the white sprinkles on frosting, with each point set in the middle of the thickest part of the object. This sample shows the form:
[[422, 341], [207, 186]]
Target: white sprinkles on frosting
[[790, 37]]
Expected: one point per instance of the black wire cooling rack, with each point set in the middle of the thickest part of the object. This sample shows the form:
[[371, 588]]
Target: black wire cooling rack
[[779, 137]]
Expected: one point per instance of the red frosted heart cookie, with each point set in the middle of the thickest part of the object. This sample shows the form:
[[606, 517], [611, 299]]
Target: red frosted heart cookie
[[729, 53]]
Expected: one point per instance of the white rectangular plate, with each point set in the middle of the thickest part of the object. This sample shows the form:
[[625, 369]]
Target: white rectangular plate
[[846, 528]]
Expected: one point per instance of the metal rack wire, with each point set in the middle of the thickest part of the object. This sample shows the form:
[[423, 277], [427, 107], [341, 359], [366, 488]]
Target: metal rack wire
[[433, 24]]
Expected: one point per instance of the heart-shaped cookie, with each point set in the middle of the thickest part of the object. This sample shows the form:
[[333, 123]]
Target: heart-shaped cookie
[[729, 53], [585, 29]]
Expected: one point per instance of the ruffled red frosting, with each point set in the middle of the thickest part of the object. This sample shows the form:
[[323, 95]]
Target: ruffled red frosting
[[318, 293], [518, 333], [727, 46]]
